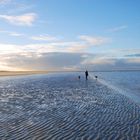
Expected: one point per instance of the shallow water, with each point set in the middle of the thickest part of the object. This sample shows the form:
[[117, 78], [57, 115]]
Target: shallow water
[[59, 106], [126, 80], [125, 83]]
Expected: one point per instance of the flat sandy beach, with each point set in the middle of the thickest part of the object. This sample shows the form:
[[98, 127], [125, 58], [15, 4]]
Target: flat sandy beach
[[61, 107]]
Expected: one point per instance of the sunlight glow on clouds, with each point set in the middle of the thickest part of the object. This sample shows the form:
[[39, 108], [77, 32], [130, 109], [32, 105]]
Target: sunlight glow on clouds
[[21, 20], [44, 38], [15, 34], [11, 33], [95, 41], [64, 55], [64, 61]]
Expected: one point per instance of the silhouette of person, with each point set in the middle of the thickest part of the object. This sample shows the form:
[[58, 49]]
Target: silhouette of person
[[86, 74], [79, 77]]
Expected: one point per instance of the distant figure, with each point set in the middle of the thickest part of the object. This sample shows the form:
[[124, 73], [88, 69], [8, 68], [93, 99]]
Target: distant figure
[[79, 77], [86, 74], [96, 77]]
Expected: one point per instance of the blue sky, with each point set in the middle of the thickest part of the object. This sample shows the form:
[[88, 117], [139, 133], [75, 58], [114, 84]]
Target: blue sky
[[69, 34]]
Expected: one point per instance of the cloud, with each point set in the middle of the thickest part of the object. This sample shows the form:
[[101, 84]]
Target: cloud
[[62, 55], [39, 47], [21, 20], [112, 64], [11, 33], [47, 43], [133, 55], [119, 28], [95, 41], [82, 45], [5, 1], [44, 38], [134, 60], [77, 47], [99, 61], [43, 61], [20, 7], [16, 34], [29, 60]]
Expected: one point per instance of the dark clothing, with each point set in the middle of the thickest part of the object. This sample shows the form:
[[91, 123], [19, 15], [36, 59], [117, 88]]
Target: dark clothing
[[86, 74]]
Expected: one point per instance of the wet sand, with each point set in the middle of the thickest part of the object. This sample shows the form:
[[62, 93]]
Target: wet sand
[[61, 107]]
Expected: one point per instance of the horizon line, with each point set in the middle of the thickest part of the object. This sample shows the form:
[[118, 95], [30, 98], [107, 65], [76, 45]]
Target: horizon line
[[69, 70]]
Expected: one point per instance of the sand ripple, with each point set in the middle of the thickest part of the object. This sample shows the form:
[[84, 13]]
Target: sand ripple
[[59, 107]]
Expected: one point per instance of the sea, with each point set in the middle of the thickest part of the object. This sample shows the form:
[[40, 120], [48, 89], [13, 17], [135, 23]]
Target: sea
[[126, 82]]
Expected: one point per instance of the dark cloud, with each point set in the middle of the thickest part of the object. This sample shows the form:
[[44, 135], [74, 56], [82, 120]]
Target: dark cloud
[[45, 61], [118, 64], [68, 61], [133, 55]]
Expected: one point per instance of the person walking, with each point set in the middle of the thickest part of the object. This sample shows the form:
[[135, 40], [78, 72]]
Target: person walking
[[86, 74], [79, 77]]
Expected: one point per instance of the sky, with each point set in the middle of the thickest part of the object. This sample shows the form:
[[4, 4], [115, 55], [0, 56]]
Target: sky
[[55, 35]]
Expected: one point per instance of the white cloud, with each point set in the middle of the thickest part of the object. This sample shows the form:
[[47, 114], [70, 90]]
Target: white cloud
[[5, 1], [16, 34], [44, 38], [82, 45], [63, 55], [119, 28], [9, 48], [21, 20], [11, 33], [40, 48], [95, 41], [51, 56], [77, 47], [54, 45], [63, 61]]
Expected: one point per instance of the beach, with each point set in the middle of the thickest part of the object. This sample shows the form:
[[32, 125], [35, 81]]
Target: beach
[[62, 107]]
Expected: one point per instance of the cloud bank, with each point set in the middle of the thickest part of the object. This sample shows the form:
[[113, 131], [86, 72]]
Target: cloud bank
[[65, 61], [57, 55]]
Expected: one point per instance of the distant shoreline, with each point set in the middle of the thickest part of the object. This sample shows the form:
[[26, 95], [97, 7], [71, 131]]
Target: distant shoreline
[[19, 73]]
